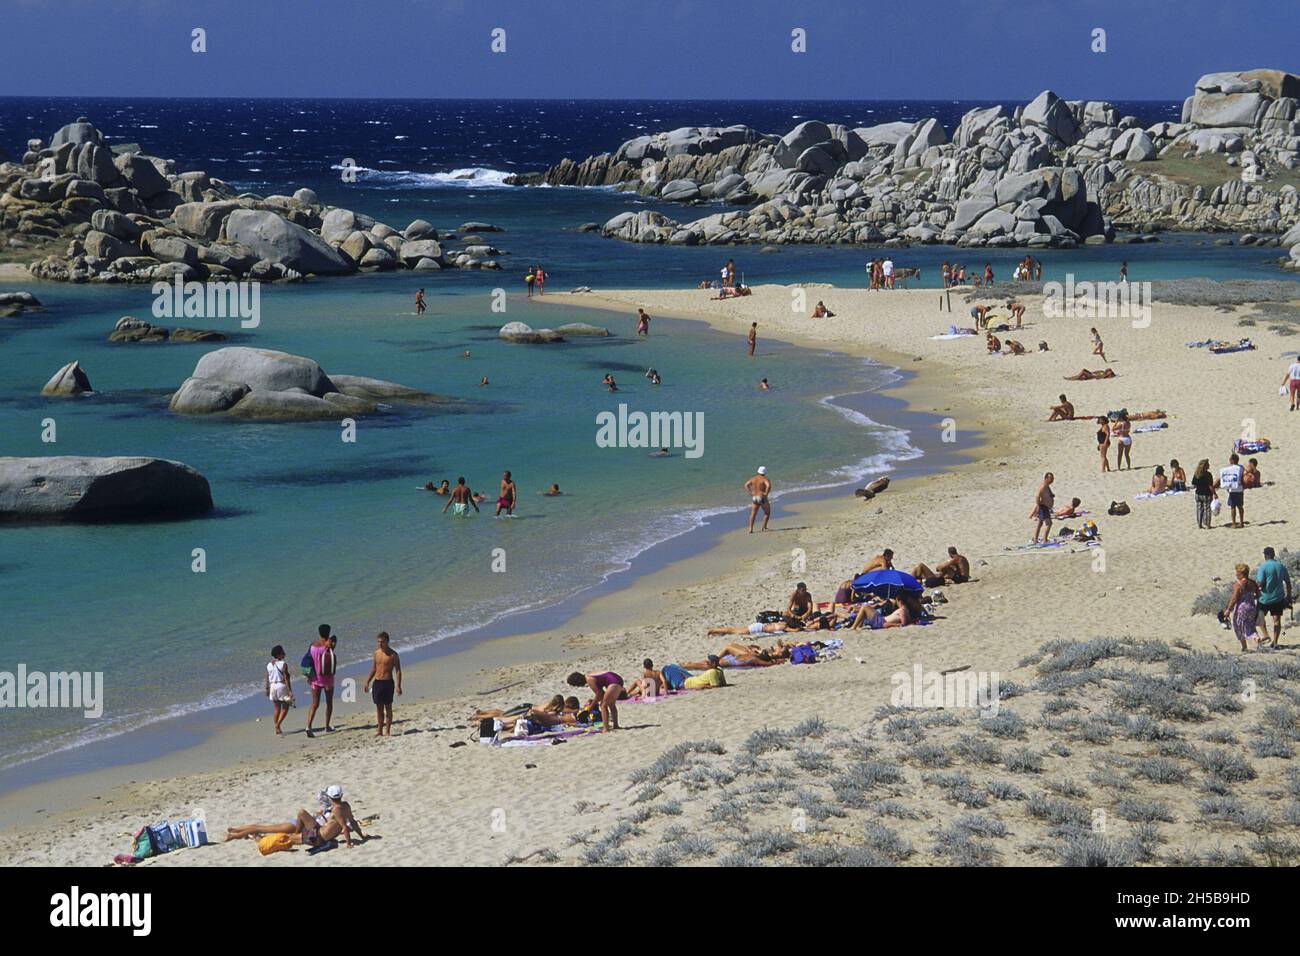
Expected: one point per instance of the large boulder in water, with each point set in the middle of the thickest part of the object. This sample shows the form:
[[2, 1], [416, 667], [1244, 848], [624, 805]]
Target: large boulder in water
[[69, 380], [293, 406], [522, 332], [264, 369], [97, 489], [580, 329], [276, 239]]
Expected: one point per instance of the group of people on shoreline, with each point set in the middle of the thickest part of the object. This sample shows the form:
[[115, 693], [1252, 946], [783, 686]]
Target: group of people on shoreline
[[319, 667]]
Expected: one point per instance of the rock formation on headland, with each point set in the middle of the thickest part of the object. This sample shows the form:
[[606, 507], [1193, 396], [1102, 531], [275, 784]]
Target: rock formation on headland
[[100, 489], [1053, 173], [130, 217], [266, 385]]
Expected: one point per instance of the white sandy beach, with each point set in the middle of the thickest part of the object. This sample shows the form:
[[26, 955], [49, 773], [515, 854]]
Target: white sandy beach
[[778, 799]]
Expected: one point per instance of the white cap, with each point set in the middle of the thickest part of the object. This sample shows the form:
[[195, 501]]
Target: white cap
[[334, 791], [762, 470]]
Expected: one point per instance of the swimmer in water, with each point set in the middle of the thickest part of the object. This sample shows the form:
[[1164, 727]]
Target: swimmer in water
[[608, 381], [763, 385], [661, 453], [484, 382], [442, 489], [552, 491], [466, 354]]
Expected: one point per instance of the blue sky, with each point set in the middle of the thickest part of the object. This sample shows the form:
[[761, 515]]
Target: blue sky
[[699, 49]]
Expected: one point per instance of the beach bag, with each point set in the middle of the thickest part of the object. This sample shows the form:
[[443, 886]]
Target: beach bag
[[308, 665], [190, 833], [162, 838], [141, 849], [768, 617], [487, 730], [1088, 532], [1118, 508], [1216, 506], [803, 654], [274, 843]]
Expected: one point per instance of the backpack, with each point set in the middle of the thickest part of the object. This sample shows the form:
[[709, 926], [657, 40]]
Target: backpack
[[308, 665], [803, 654], [1118, 508]]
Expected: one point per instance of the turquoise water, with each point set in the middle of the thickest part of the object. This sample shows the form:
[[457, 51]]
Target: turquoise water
[[311, 529]]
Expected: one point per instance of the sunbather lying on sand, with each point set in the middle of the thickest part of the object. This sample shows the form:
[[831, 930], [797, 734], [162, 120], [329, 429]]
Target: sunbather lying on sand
[[776, 627], [741, 655], [1068, 511], [1086, 376], [330, 824], [556, 705]]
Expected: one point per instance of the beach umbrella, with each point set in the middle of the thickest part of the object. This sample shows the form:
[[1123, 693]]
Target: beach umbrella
[[886, 582]]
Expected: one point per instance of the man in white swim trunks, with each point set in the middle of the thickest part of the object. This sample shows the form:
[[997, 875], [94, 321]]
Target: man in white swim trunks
[[759, 488], [460, 500]]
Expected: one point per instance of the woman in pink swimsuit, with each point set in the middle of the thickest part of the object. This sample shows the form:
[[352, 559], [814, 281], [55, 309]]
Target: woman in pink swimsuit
[[607, 688]]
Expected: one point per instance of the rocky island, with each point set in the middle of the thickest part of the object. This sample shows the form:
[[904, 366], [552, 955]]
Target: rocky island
[[1052, 173]]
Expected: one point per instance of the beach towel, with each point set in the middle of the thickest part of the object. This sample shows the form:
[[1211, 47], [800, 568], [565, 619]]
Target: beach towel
[[951, 335], [1153, 427], [1142, 496]]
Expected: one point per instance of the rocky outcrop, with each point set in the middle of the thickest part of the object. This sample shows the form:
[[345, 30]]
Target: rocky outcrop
[[16, 303], [1053, 172], [130, 329], [522, 332], [94, 212], [581, 329], [266, 385], [67, 381], [100, 489]]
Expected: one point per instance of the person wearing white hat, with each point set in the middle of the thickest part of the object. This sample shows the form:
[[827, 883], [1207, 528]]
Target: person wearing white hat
[[759, 487]]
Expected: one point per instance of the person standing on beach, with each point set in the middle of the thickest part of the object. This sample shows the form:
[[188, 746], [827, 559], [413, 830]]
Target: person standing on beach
[[1123, 271], [324, 663], [1124, 438], [419, 302], [1103, 441], [1042, 509], [753, 338], [759, 488], [1203, 485], [1230, 481], [460, 500], [278, 689], [540, 276], [642, 323], [529, 279], [1274, 582], [1243, 608], [1292, 381], [507, 497], [988, 274], [386, 677], [887, 272]]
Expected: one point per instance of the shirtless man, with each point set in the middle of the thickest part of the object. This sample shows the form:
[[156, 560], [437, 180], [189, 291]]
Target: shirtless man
[[881, 562], [801, 604], [759, 488], [507, 497], [980, 313], [460, 499], [1063, 412], [1042, 510], [386, 676], [753, 338], [956, 570], [419, 302]]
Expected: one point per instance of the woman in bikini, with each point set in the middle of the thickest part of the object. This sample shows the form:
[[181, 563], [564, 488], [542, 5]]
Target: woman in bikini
[[1177, 477], [1120, 430], [1097, 347]]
